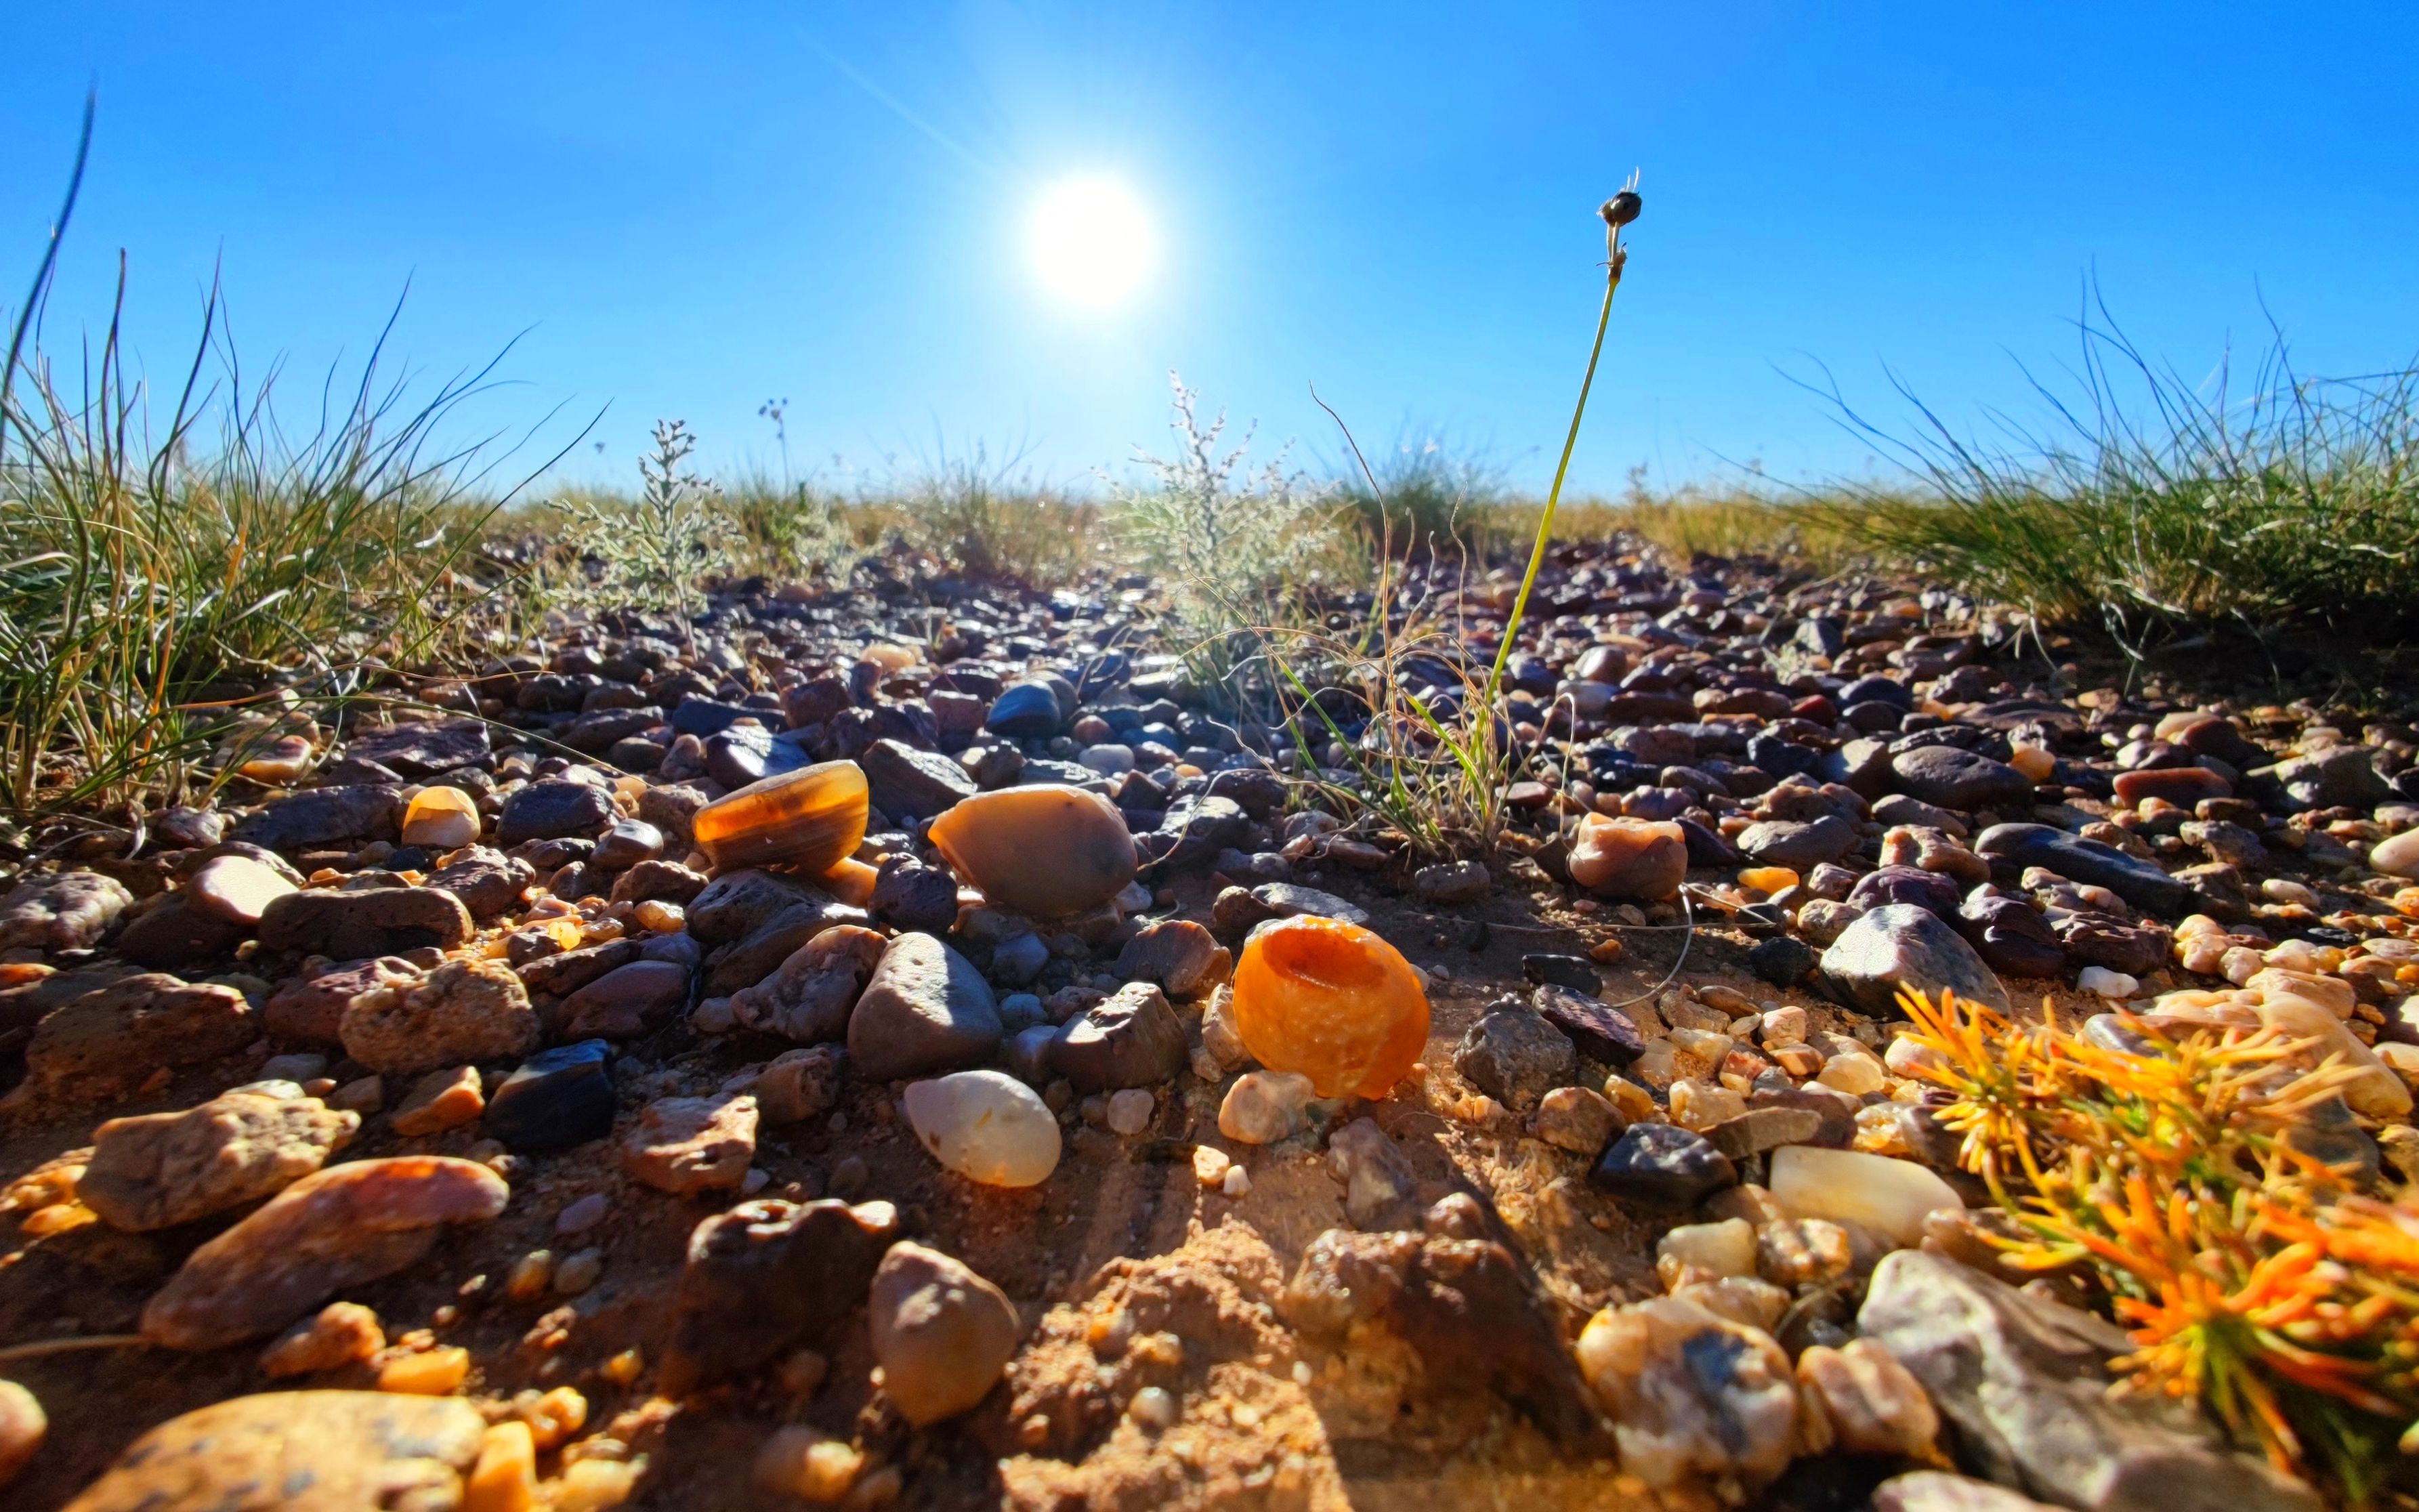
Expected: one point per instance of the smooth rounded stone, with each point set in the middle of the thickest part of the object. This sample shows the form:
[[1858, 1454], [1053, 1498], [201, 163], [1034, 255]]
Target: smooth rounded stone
[[106, 1041], [626, 1002], [2182, 786], [1877, 688], [1043, 850], [62, 913], [372, 921], [558, 1098], [1959, 779], [1130, 1039], [1889, 1197], [421, 749], [445, 1099], [625, 844], [2011, 935], [1019, 1011], [337, 1229], [2023, 1384], [808, 819], [1453, 882], [1109, 760], [908, 783], [1762, 1129], [1020, 958], [986, 1126], [2343, 777], [1333, 1001], [1026, 1055], [2102, 982], [942, 1334], [235, 888], [2396, 856], [1661, 1165], [160, 1169], [321, 1451], [799, 1084], [684, 1145], [23, 1427], [1023, 711], [1379, 1182], [1264, 1106], [1900, 808], [1575, 972], [765, 1279], [910, 895], [463, 1011], [322, 816], [489, 883], [1180, 955], [554, 808], [758, 954], [925, 1009], [1712, 1250], [171, 934], [2138, 882], [1889, 885], [1937, 1490], [1634, 858], [1692, 1393], [1597, 1028], [1903, 945], [1514, 1056], [1868, 1402], [1579, 1120], [1799, 845], [440, 819]]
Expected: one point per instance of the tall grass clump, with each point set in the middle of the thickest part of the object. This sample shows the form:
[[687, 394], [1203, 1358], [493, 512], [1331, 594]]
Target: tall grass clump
[[2150, 502], [166, 582], [1425, 494], [1237, 546], [991, 520]]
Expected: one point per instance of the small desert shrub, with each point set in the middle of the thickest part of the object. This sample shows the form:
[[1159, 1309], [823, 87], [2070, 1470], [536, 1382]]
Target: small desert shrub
[[2153, 502], [1237, 546], [794, 529], [993, 519], [650, 550]]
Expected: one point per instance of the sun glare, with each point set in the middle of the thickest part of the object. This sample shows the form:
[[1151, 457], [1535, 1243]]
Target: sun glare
[[1090, 242]]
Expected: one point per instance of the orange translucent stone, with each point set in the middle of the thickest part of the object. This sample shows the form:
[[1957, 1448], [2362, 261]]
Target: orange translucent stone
[[1640, 858], [808, 819], [440, 819], [1767, 879], [851, 881], [1331, 1001], [1045, 850]]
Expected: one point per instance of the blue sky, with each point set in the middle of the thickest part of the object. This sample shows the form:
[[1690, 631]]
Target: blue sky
[[692, 209]]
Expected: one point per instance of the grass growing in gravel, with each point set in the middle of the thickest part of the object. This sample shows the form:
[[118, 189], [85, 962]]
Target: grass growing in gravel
[[2153, 502]]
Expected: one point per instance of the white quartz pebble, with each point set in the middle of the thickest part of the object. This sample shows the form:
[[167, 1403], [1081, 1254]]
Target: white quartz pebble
[[1889, 1197], [986, 1126]]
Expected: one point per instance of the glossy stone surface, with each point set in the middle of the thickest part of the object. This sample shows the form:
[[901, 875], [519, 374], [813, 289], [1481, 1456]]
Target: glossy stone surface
[[1042, 849], [986, 1126], [808, 819], [1637, 858], [1331, 1001], [324, 1451], [440, 819], [558, 1098]]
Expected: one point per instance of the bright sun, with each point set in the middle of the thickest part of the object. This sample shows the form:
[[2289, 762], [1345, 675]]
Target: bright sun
[[1090, 242]]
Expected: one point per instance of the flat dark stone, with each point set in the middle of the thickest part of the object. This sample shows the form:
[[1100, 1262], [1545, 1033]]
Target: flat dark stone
[[1577, 972], [1601, 1031], [558, 1098], [2138, 882], [1662, 1165]]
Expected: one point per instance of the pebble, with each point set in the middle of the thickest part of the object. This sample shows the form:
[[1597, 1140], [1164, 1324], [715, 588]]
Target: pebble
[[684, 1145], [2102, 982], [1514, 1055], [1378, 1178], [809, 998], [374, 921], [463, 1011], [349, 1448], [1129, 1039], [559, 1098], [1578, 1119], [445, 1099], [160, 1169], [1331, 1001], [1692, 1393], [1705, 1252], [1870, 1403], [925, 1008], [106, 1041], [582, 1214], [1793, 1252], [23, 1427], [800, 1085], [765, 1279], [1635, 858], [2396, 856], [66, 912], [1180, 955], [987, 1127], [627, 1002], [340, 1334], [1043, 850], [330, 1230], [440, 819], [807, 819], [1889, 1197], [1902, 943], [578, 1271], [235, 888], [942, 1334], [1129, 1111], [1661, 1165], [1264, 1106]]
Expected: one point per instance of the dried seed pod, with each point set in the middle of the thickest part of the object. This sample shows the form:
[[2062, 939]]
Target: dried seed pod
[[808, 819], [1045, 850], [1331, 1001]]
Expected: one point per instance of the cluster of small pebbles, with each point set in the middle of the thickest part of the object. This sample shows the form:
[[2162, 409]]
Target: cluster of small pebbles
[[841, 1053]]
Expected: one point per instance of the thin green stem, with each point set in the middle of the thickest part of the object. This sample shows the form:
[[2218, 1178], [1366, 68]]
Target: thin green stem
[[1553, 495]]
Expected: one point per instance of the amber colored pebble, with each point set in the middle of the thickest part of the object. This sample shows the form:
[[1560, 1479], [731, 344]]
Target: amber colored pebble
[[1767, 879], [440, 819], [433, 1373], [505, 1478], [1331, 1001], [808, 819], [1643, 860], [1045, 850], [851, 881]]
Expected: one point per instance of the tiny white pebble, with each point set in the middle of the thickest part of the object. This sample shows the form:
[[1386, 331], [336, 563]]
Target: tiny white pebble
[[1154, 1407], [1302, 1372], [1238, 1181], [755, 1180], [2106, 983], [1129, 1111]]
